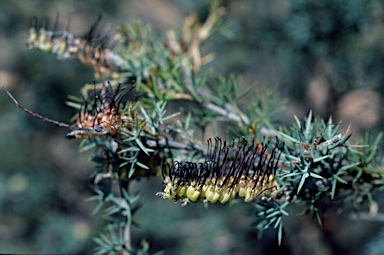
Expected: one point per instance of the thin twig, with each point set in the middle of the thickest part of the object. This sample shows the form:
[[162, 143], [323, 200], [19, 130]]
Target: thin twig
[[127, 222], [127, 237], [61, 124], [228, 113]]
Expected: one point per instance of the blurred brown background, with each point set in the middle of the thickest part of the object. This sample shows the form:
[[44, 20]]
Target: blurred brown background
[[327, 56]]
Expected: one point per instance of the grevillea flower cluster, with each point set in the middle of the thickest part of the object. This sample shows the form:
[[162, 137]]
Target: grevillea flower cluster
[[244, 170], [90, 49], [101, 113]]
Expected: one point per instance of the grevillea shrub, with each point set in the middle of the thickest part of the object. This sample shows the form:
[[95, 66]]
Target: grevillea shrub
[[122, 117]]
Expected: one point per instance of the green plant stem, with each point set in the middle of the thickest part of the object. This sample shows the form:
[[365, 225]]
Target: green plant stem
[[127, 238]]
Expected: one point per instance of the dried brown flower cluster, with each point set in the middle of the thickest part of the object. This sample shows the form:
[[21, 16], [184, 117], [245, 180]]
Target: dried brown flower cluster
[[101, 113]]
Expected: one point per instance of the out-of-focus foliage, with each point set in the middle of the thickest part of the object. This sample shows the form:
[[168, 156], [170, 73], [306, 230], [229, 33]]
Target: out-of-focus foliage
[[315, 51]]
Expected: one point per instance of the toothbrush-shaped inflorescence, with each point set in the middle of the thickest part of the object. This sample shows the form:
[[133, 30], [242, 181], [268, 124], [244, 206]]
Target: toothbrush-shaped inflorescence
[[244, 170], [91, 49]]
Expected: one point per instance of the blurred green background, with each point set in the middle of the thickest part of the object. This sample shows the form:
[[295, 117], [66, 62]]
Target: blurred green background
[[327, 56]]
